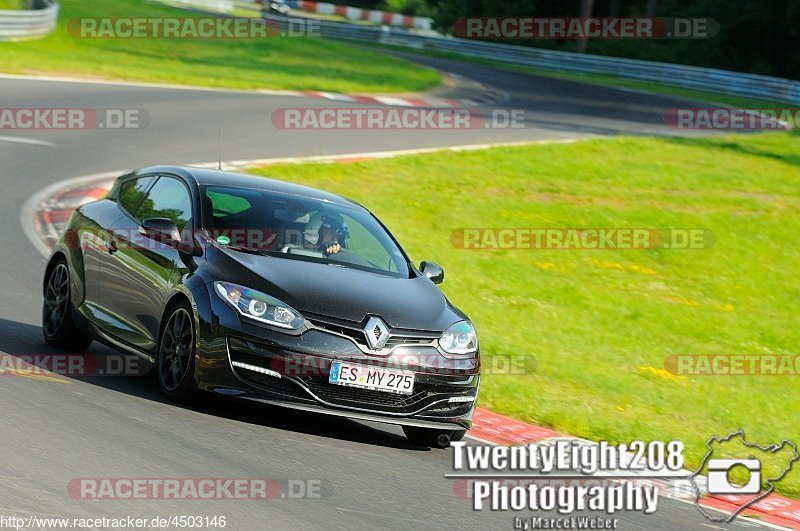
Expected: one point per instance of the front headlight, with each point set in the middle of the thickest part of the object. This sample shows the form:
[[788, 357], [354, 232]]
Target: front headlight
[[259, 306], [459, 341]]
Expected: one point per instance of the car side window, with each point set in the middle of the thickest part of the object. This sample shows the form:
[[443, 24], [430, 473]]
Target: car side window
[[168, 198], [132, 192]]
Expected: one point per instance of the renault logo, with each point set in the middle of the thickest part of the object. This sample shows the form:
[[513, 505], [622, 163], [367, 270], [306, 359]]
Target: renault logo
[[377, 333]]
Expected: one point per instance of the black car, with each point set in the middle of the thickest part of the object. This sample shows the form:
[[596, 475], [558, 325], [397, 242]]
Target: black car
[[250, 287]]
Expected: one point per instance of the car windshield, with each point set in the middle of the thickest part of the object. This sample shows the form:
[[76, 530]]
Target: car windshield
[[299, 228]]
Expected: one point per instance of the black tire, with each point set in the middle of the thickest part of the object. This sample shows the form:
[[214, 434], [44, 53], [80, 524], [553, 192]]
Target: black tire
[[175, 356], [58, 325], [433, 437]]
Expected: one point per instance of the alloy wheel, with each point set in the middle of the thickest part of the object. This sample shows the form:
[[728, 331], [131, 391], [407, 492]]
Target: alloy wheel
[[175, 349], [56, 298]]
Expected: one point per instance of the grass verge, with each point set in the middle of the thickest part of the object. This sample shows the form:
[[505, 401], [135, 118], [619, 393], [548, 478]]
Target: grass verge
[[598, 326], [294, 63]]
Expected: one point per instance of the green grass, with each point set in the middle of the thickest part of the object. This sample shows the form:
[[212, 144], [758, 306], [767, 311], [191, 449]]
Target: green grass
[[10, 4], [599, 325], [273, 63]]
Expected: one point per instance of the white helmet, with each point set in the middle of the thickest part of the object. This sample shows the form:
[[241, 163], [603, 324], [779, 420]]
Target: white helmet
[[311, 232]]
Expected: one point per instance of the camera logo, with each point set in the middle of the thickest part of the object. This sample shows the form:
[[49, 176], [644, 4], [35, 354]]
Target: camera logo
[[719, 481], [726, 475]]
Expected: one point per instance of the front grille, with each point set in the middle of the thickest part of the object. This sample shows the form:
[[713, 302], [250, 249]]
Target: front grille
[[428, 388], [424, 394], [394, 341], [446, 409], [356, 334], [354, 396], [406, 338]]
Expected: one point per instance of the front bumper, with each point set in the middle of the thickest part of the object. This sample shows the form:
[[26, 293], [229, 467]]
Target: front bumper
[[241, 358]]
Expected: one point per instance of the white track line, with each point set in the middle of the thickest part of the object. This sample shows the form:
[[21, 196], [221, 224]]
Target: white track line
[[22, 140], [383, 99], [142, 84], [394, 102]]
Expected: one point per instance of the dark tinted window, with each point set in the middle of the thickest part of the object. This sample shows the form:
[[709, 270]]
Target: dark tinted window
[[132, 192], [168, 198], [299, 228]]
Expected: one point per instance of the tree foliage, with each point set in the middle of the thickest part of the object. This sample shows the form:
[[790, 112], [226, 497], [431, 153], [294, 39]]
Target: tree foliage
[[759, 36]]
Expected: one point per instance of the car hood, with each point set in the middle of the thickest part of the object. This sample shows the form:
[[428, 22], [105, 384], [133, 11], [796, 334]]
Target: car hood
[[339, 292]]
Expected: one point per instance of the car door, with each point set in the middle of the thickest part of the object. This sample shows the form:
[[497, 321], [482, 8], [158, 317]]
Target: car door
[[97, 238], [143, 272]]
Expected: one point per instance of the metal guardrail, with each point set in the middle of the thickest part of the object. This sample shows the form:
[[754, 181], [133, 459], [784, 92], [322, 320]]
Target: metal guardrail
[[312, 7], [693, 77], [19, 25]]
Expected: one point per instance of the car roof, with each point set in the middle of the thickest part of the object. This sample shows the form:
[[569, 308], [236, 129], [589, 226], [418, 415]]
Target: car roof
[[211, 177]]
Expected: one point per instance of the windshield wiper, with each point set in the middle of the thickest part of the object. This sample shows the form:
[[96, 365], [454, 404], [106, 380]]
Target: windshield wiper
[[248, 250]]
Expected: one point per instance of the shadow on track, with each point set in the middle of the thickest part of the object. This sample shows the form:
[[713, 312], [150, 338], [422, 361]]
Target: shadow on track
[[23, 341]]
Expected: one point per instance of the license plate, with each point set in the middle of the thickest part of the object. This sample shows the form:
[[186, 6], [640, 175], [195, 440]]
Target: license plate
[[375, 378]]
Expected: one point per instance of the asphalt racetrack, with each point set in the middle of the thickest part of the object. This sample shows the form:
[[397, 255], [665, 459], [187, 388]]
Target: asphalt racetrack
[[370, 476]]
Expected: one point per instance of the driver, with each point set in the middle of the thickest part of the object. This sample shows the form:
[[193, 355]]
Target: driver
[[323, 233]]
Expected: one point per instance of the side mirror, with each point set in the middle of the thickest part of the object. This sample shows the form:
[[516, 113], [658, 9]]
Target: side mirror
[[432, 271], [161, 230]]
